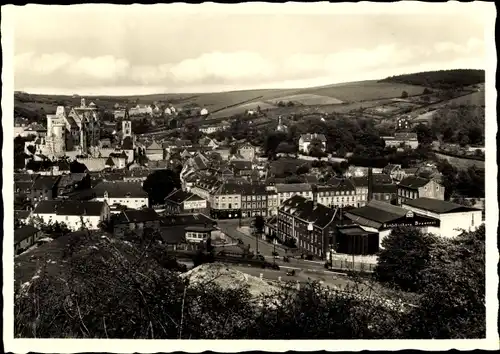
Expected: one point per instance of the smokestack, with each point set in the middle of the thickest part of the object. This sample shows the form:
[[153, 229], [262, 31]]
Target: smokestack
[[370, 184]]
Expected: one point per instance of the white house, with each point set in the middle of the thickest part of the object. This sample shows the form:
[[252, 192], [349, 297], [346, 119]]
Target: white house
[[204, 112], [453, 217], [286, 191], [306, 139], [129, 194], [72, 213]]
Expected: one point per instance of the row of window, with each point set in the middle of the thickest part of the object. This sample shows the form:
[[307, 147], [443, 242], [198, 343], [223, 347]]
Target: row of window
[[196, 235], [254, 205], [331, 193], [309, 247], [253, 197], [337, 200]]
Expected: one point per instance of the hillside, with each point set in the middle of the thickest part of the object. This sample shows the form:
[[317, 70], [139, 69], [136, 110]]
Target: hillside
[[442, 79], [340, 98]]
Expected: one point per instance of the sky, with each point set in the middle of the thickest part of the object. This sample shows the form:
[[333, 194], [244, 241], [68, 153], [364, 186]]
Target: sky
[[119, 50]]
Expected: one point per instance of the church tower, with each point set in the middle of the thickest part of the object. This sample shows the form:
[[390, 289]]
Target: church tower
[[126, 125], [82, 103]]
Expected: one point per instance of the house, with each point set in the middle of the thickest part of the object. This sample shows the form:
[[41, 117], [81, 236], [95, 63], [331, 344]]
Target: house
[[44, 188], [129, 194], [241, 167], [453, 217], [286, 191], [73, 182], [73, 213], [205, 187], [225, 201], [385, 192], [22, 216], [310, 225], [247, 151], [382, 217], [272, 202], [197, 234], [136, 221], [208, 142], [414, 187], [174, 229], [253, 200], [402, 140], [181, 202], [340, 193], [354, 240], [136, 175], [154, 151], [210, 129], [403, 123], [395, 171], [25, 237], [306, 139]]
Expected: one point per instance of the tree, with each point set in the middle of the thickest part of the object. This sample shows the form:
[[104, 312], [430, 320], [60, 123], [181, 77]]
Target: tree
[[405, 254], [285, 148], [424, 134], [259, 224], [77, 167], [453, 298], [160, 184], [302, 170], [404, 94]]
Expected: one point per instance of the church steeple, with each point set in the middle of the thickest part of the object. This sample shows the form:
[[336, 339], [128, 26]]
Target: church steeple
[[126, 116]]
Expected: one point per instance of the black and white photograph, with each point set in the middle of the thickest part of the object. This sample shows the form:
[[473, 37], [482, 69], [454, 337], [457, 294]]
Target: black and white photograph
[[253, 172]]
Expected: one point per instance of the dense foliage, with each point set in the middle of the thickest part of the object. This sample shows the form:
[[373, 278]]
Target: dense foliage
[[463, 124], [449, 273], [405, 254], [468, 183], [160, 184], [442, 79], [109, 288]]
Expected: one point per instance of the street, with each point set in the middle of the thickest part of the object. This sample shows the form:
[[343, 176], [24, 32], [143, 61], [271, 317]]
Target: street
[[230, 228]]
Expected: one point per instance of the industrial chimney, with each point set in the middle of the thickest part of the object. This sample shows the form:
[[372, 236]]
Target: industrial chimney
[[370, 184]]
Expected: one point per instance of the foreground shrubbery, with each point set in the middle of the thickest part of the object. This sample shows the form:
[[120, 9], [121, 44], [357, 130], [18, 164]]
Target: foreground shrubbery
[[118, 289], [449, 275]]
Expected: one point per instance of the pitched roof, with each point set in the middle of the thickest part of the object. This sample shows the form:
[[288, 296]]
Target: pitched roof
[[69, 207], [377, 212], [154, 146], [179, 196], [241, 164], [293, 187], [24, 232], [319, 214], [186, 220], [21, 214], [120, 189], [45, 182], [385, 188], [254, 189], [133, 216], [127, 143], [310, 137], [405, 136], [378, 178], [438, 206], [230, 188], [413, 182]]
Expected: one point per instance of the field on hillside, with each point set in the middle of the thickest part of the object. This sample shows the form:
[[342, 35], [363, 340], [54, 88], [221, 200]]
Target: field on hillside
[[366, 91], [307, 99], [240, 109], [474, 99]]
